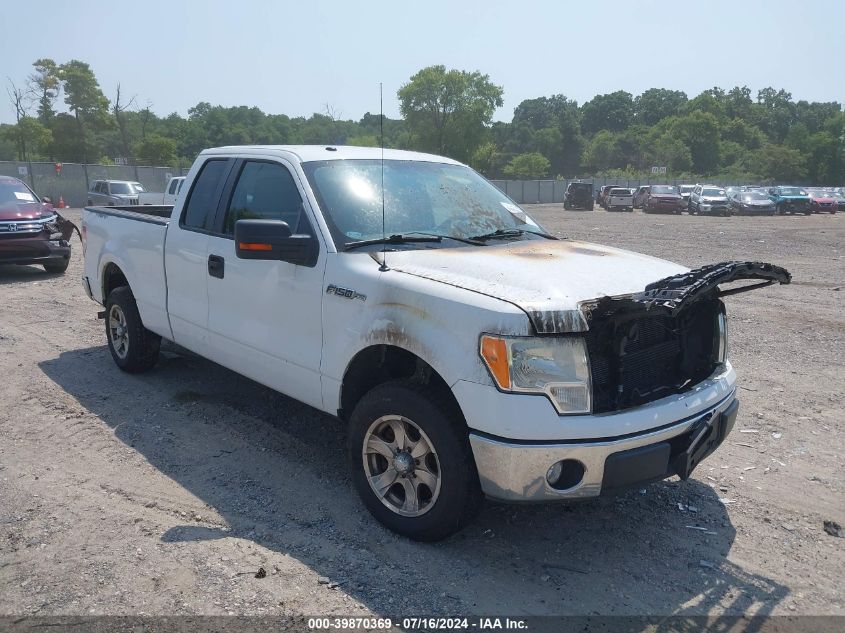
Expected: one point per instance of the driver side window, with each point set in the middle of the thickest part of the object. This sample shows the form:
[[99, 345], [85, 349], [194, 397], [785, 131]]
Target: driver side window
[[265, 191]]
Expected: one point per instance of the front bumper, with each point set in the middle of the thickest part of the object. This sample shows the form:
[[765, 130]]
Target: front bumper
[[516, 471], [33, 250]]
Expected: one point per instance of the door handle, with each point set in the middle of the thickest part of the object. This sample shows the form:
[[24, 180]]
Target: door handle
[[216, 266]]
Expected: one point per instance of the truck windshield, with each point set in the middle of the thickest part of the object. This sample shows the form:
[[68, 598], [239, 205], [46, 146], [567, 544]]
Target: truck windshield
[[419, 197], [792, 191], [126, 188], [663, 189]]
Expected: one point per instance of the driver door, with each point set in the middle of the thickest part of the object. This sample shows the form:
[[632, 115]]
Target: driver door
[[264, 316]]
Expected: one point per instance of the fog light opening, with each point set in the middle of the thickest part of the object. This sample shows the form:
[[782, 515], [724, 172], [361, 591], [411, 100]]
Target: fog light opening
[[565, 474]]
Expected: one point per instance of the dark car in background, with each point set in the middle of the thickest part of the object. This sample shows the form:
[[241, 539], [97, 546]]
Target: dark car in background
[[663, 199], [601, 196], [822, 201], [31, 232], [578, 195], [789, 199], [751, 203]]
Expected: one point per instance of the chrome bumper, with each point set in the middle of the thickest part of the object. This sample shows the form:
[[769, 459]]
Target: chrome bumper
[[516, 472]]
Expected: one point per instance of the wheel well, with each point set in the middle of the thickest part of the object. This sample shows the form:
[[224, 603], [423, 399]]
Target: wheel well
[[113, 278], [378, 364]]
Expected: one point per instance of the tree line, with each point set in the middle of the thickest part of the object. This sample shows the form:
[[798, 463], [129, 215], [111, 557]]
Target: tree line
[[63, 114]]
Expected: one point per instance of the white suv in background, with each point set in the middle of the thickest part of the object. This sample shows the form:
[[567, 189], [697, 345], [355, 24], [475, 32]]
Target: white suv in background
[[709, 200]]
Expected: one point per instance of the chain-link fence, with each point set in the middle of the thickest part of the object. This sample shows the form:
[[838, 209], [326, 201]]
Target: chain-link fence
[[73, 181], [550, 191]]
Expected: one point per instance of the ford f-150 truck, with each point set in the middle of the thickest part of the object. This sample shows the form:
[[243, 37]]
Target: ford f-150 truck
[[467, 351]]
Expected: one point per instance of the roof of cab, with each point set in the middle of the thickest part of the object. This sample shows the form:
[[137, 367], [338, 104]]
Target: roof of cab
[[308, 153]]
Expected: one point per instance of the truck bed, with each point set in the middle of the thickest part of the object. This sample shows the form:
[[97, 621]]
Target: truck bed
[[136, 248]]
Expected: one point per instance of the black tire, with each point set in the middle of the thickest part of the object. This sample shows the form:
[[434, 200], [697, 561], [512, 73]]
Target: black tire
[[142, 346], [459, 498], [566, 206], [59, 266]]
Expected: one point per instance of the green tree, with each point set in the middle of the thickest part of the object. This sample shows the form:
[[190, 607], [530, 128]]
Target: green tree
[[84, 99], [825, 159], [448, 112], [551, 126], [156, 150], [776, 112], [778, 163], [31, 134], [656, 104], [614, 112], [669, 151], [363, 140], [530, 166], [602, 152], [45, 83], [700, 132], [487, 160]]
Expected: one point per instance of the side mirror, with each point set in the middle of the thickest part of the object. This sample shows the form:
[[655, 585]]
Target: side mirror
[[272, 240]]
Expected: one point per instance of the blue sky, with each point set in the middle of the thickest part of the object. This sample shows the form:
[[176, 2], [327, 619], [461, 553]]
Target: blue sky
[[297, 57]]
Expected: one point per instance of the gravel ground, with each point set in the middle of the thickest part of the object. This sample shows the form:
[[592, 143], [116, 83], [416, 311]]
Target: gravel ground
[[165, 493]]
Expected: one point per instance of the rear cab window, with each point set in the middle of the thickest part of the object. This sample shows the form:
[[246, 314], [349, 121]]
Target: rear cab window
[[201, 206]]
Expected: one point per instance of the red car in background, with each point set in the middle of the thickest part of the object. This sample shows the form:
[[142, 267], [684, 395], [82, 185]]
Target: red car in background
[[822, 201], [663, 199], [31, 232]]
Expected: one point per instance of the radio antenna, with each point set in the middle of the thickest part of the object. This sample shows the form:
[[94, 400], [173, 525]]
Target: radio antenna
[[383, 266]]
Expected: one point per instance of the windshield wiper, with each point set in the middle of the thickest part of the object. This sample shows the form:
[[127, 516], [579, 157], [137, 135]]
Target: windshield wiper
[[409, 238], [499, 234]]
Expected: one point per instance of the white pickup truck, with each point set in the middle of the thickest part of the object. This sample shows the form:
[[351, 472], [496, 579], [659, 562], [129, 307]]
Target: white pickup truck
[[168, 196], [468, 352], [620, 199]]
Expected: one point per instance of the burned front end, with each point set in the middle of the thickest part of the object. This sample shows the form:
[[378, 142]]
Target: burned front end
[[665, 339]]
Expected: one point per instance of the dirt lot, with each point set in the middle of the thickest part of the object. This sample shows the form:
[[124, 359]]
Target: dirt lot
[[164, 493]]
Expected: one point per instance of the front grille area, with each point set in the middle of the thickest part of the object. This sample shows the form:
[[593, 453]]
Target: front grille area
[[639, 358]]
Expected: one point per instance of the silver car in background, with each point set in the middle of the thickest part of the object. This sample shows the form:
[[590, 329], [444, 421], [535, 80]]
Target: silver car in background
[[110, 193]]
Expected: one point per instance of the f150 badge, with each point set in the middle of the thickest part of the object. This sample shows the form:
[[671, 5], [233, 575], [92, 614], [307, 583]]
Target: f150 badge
[[347, 293]]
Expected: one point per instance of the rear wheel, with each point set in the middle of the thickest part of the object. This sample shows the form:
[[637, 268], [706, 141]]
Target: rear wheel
[[411, 461], [133, 347]]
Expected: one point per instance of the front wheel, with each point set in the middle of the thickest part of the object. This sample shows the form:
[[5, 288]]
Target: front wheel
[[133, 347], [411, 461]]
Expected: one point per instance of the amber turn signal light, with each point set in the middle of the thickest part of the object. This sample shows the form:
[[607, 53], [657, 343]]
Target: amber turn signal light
[[254, 246], [494, 351]]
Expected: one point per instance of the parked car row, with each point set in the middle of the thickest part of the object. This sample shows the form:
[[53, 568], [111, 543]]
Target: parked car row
[[704, 199]]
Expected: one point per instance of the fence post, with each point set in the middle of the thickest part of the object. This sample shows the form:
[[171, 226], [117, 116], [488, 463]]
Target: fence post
[[87, 184]]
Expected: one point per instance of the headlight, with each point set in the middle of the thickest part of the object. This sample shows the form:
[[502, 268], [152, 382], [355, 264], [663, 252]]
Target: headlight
[[722, 334], [555, 366]]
